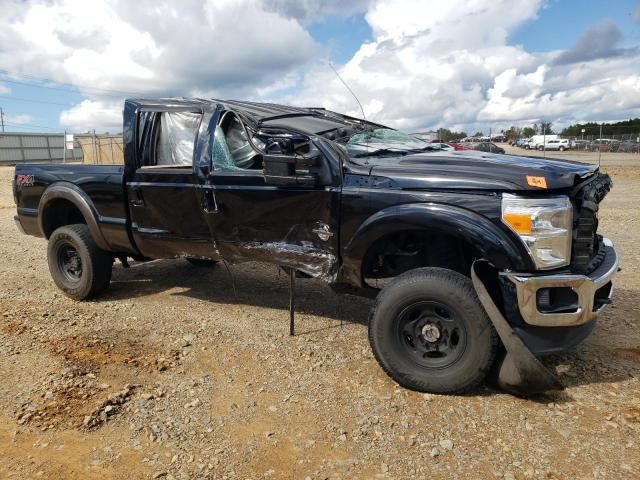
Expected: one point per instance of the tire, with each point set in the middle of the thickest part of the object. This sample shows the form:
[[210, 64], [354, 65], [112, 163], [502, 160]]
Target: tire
[[202, 262], [561, 149], [540, 148], [443, 299], [78, 267]]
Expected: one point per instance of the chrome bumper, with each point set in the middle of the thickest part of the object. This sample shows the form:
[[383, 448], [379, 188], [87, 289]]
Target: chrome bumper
[[585, 287]]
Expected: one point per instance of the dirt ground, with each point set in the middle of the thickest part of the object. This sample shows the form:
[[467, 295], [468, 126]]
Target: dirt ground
[[169, 375]]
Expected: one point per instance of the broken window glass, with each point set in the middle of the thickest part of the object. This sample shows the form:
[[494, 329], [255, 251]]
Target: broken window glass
[[383, 140], [221, 155], [232, 149]]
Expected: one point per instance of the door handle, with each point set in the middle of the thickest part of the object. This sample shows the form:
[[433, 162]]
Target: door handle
[[136, 198]]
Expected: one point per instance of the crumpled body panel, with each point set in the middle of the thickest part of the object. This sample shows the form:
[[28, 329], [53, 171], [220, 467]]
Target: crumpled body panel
[[306, 248]]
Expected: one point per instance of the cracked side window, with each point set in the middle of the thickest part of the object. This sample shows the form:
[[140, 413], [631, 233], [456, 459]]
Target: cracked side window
[[232, 149]]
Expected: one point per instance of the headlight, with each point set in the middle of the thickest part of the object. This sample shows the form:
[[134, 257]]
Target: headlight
[[544, 225]]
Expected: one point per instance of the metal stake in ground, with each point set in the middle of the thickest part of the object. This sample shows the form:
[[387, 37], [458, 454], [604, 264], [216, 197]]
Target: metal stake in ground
[[292, 300]]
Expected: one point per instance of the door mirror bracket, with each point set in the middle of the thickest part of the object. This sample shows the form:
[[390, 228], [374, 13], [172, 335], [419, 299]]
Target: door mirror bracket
[[295, 170]]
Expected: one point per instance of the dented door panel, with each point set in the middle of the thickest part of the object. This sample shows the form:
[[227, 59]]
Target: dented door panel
[[292, 227]]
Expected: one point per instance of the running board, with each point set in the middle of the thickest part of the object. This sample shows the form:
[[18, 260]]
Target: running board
[[521, 373]]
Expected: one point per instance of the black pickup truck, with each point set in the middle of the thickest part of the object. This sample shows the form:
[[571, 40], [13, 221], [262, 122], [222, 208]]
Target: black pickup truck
[[478, 260]]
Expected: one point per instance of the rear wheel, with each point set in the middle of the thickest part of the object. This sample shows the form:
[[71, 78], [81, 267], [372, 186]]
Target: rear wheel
[[430, 333], [78, 266]]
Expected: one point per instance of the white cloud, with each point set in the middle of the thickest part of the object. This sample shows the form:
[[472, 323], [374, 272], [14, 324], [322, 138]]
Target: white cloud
[[430, 64], [155, 48], [94, 114], [4, 90], [450, 64]]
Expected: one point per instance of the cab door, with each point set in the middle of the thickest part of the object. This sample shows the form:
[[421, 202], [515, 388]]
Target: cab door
[[163, 191], [251, 219]]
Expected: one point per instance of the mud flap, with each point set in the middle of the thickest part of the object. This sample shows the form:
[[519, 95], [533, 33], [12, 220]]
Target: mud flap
[[521, 373]]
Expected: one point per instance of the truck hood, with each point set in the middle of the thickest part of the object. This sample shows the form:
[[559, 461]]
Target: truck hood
[[466, 170]]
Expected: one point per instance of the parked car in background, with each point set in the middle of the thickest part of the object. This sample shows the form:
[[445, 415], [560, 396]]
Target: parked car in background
[[560, 144], [604, 145], [539, 140], [488, 147], [629, 146], [521, 142], [456, 146], [580, 144], [499, 138], [447, 145], [442, 146]]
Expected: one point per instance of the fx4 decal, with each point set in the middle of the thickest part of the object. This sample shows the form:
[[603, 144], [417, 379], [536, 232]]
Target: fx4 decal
[[25, 180]]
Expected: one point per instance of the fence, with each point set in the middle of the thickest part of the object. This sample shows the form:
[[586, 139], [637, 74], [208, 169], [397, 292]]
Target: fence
[[36, 147], [101, 149], [627, 143], [39, 147]]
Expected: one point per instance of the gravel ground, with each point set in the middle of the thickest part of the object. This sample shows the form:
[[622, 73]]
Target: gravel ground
[[169, 375]]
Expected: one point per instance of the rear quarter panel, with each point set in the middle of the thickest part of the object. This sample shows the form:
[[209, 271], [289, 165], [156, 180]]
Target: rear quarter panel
[[102, 183]]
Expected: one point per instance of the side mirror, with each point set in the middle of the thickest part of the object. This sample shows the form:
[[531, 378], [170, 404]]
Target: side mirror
[[294, 170]]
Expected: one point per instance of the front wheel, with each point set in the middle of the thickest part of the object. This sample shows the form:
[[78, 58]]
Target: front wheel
[[430, 333], [561, 149], [78, 266]]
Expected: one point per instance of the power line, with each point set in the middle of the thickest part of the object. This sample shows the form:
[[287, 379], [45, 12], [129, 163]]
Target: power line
[[30, 126], [19, 99], [74, 86], [4, 80]]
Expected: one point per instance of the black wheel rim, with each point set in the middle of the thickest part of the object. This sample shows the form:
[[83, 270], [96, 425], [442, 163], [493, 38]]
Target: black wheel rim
[[69, 262], [432, 334]]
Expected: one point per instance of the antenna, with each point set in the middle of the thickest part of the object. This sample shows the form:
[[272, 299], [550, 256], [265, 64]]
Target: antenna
[[350, 91]]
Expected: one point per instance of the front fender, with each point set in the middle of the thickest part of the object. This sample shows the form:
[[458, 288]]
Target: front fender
[[74, 194], [474, 229]]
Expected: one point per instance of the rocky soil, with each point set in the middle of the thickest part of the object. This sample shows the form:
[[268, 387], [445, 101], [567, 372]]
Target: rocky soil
[[170, 375]]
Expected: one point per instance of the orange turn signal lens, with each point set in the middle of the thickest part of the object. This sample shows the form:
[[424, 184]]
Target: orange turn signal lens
[[519, 222]]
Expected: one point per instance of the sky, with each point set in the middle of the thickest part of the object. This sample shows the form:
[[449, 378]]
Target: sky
[[415, 65]]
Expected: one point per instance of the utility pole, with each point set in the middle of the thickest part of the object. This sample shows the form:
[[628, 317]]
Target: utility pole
[[2, 119], [600, 147]]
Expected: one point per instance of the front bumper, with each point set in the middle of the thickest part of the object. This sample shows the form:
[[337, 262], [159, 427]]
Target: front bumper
[[591, 292]]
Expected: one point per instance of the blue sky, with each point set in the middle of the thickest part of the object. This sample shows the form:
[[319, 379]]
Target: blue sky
[[32, 102], [561, 22]]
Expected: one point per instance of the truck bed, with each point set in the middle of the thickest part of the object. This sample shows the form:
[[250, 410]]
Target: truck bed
[[101, 184]]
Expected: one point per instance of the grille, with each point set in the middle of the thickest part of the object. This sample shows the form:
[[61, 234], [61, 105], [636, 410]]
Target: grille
[[587, 244]]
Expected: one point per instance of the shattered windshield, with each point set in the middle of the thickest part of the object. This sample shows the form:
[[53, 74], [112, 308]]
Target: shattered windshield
[[383, 141]]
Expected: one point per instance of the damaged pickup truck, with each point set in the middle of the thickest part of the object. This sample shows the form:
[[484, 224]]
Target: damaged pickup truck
[[477, 260]]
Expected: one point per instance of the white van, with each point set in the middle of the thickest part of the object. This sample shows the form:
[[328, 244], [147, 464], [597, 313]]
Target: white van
[[539, 141]]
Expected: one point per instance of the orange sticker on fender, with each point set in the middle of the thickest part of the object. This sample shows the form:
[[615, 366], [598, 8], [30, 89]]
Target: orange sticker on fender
[[540, 182]]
